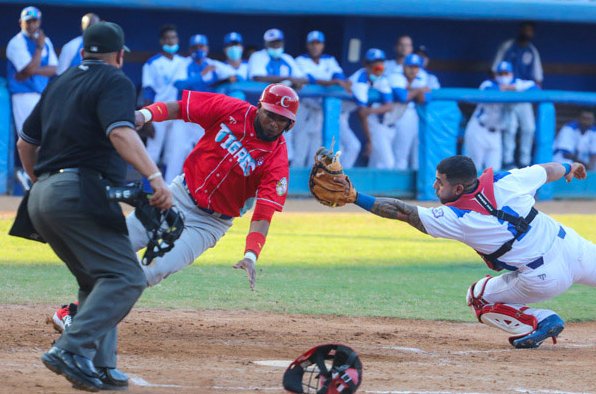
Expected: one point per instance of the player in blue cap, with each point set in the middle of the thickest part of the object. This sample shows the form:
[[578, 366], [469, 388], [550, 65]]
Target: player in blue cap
[[233, 48], [483, 139], [320, 69]]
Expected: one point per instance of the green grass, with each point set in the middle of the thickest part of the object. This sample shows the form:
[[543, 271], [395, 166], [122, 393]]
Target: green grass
[[346, 264]]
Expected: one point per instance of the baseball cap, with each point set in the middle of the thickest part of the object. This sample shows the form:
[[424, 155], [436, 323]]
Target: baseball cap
[[233, 37], [273, 35], [315, 35], [198, 39], [374, 55], [29, 13], [504, 67], [104, 37], [414, 60]]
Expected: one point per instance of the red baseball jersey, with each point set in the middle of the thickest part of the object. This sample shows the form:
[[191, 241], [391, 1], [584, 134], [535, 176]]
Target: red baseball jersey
[[230, 165]]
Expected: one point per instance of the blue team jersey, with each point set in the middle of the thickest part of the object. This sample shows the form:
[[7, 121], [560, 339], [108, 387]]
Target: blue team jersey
[[525, 60], [19, 52]]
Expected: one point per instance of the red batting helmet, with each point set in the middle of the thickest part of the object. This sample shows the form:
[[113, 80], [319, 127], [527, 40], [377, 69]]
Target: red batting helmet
[[280, 99]]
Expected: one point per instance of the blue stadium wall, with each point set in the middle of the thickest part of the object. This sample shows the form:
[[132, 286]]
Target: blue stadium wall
[[461, 51]]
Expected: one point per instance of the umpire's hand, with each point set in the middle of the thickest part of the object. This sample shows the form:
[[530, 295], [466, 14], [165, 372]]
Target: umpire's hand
[[162, 196]]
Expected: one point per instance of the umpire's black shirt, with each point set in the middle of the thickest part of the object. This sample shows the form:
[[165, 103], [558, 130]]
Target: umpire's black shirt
[[74, 117]]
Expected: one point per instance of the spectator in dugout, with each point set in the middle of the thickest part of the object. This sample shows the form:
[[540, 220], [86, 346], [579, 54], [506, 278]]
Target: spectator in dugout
[[576, 141], [70, 55], [403, 47]]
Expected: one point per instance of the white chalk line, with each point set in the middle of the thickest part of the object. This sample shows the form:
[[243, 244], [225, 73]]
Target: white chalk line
[[139, 381], [273, 363]]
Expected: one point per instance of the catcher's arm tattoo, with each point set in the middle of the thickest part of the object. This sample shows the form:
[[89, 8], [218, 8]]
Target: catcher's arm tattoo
[[392, 208]]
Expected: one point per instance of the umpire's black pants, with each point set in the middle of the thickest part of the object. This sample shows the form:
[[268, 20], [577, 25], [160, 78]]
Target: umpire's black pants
[[107, 270]]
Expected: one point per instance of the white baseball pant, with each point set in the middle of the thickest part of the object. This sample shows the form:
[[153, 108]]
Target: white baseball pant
[[349, 143], [570, 260], [382, 140], [405, 146], [201, 232], [307, 135], [22, 106], [523, 116], [484, 147]]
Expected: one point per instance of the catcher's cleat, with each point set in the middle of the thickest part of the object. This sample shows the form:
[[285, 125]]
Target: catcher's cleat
[[550, 327], [62, 319]]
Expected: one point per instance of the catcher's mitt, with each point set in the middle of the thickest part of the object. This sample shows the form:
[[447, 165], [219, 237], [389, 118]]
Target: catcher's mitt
[[328, 182], [163, 227]]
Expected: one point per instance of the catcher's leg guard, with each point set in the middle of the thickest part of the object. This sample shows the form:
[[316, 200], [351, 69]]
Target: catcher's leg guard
[[506, 317]]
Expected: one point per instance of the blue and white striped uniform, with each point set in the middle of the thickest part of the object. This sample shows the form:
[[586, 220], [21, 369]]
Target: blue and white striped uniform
[[381, 156], [70, 56], [545, 261], [571, 140], [483, 139], [159, 75], [26, 93], [307, 134], [261, 64]]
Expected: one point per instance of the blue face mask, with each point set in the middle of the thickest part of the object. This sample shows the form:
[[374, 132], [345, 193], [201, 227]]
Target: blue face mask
[[171, 49], [275, 52], [234, 53], [373, 77], [199, 54]]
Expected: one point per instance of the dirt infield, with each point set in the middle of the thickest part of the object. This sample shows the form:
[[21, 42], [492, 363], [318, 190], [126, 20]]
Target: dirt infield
[[168, 351], [192, 351]]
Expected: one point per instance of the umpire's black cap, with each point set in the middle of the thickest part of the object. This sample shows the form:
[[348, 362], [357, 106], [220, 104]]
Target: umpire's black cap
[[104, 37]]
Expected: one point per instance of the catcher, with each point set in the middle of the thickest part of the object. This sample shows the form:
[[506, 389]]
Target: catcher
[[495, 215]]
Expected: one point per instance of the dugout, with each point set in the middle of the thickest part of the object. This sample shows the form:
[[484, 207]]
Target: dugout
[[461, 36]]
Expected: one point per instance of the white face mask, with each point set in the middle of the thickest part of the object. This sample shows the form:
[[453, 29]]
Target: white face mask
[[275, 52], [504, 79]]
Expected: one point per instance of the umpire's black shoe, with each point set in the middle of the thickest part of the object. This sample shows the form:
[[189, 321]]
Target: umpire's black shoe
[[76, 369], [112, 379]]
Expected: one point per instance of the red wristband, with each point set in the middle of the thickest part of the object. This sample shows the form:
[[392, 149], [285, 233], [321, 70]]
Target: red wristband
[[159, 111], [254, 242]]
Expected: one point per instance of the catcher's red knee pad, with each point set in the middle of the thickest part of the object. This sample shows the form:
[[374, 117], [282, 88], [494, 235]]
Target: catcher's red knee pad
[[475, 294]]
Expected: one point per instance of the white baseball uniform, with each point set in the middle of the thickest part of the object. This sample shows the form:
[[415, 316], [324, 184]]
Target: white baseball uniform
[[308, 132], [159, 75], [70, 55], [381, 136], [571, 140], [404, 119], [544, 262], [483, 139], [526, 66], [26, 93], [260, 64]]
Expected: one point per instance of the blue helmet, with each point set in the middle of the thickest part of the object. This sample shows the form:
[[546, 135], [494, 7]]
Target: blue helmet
[[374, 55], [198, 39], [232, 38]]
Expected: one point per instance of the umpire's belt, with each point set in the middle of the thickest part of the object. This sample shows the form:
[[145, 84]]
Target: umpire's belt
[[60, 171], [209, 211], [491, 129]]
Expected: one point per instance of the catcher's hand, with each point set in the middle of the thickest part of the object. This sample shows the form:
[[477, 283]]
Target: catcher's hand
[[328, 183], [249, 266]]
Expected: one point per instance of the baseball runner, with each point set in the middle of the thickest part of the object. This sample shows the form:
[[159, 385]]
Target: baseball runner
[[70, 56], [525, 59], [495, 215], [320, 69], [408, 89], [576, 141], [375, 134], [159, 74], [241, 160], [483, 139]]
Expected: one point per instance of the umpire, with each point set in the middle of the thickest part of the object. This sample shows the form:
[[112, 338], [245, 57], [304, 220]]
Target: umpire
[[75, 143]]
